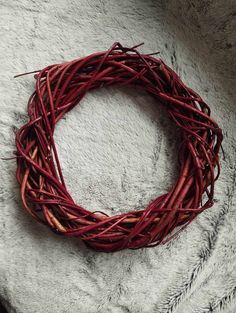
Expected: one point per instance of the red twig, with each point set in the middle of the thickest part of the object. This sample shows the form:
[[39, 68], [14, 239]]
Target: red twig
[[58, 89]]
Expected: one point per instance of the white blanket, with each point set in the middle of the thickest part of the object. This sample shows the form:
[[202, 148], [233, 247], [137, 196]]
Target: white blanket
[[118, 152]]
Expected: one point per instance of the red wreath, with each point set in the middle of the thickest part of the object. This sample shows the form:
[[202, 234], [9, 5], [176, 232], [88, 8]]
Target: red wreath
[[59, 88]]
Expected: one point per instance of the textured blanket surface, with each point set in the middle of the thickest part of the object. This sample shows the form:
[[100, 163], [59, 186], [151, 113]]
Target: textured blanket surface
[[118, 151]]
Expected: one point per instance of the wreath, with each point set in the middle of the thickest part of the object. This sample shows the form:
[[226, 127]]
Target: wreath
[[59, 88]]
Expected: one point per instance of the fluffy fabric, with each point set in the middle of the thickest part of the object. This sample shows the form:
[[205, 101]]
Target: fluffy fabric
[[118, 151]]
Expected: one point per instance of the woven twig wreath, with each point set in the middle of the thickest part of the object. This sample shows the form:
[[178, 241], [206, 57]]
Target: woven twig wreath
[[43, 191]]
